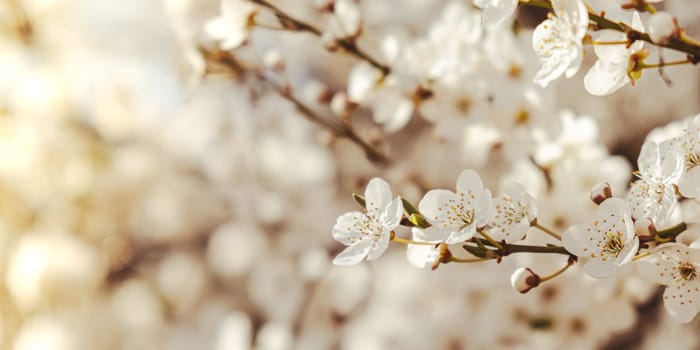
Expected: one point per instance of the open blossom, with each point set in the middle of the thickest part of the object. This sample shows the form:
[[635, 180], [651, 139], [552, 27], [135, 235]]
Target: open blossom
[[367, 234], [232, 27], [653, 196], [455, 216], [608, 243], [513, 213], [558, 41], [689, 143], [612, 70], [495, 11], [676, 267]]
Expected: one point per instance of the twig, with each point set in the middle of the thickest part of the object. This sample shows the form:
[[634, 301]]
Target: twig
[[349, 46]]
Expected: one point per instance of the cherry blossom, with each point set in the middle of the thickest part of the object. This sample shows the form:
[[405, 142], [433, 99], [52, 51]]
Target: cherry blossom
[[608, 243], [513, 213], [676, 267], [367, 234], [612, 70], [456, 216], [653, 196], [232, 27], [558, 41]]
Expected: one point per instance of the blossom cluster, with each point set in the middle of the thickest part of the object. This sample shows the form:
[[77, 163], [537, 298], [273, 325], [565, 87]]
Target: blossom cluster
[[170, 171]]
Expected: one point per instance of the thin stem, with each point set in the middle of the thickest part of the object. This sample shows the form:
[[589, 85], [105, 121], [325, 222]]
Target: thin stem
[[348, 45], [410, 241], [467, 260], [688, 40], [558, 272], [664, 64], [609, 42], [547, 231], [649, 8], [268, 26], [337, 127], [491, 240], [521, 248]]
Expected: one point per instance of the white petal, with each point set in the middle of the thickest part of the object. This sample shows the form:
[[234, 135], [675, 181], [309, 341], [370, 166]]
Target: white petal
[[628, 252], [377, 195], [648, 160], [354, 253], [392, 214], [498, 10], [379, 246], [603, 79], [613, 205], [484, 208], [431, 234], [680, 299], [573, 239], [598, 268], [462, 234], [347, 228], [656, 270], [433, 203], [689, 185], [612, 53], [347, 15], [469, 182]]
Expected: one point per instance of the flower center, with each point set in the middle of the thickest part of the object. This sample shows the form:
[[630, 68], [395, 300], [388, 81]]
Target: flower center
[[613, 247], [691, 160], [687, 270]]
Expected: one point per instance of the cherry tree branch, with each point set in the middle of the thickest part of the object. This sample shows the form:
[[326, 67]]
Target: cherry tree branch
[[339, 128], [349, 46], [681, 43]]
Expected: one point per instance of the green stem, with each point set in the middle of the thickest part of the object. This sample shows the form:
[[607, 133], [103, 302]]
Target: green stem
[[547, 231], [410, 241], [491, 240], [467, 260], [557, 273]]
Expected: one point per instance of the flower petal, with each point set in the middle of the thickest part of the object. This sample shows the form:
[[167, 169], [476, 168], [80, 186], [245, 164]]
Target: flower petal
[[353, 254], [432, 204], [680, 300], [603, 78], [379, 246], [377, 196], [347, 229]]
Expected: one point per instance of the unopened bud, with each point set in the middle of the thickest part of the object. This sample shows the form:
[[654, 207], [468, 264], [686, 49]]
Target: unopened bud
[[524, 279], [317, 92], [341, 105], [601, 192], [662, 26], [272, 59]]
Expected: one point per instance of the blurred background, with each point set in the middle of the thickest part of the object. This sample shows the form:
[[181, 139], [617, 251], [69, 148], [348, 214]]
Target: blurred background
[[160, 192]]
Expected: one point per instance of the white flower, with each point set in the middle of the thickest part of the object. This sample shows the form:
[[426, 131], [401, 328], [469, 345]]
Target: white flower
[[676, 267], [513, 213], [609, 243], [232, 27], [495, 11], [455, 217], [367, 234], [558, 41], [610, 72], [653, 196], [689, 142]]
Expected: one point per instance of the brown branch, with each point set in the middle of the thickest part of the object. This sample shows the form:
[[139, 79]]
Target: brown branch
[[347, 45]]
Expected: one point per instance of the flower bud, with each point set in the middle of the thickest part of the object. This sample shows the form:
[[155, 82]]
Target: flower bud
[[601, 192], [273, 59], [524, 279], [662, 25], [341, 105]]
